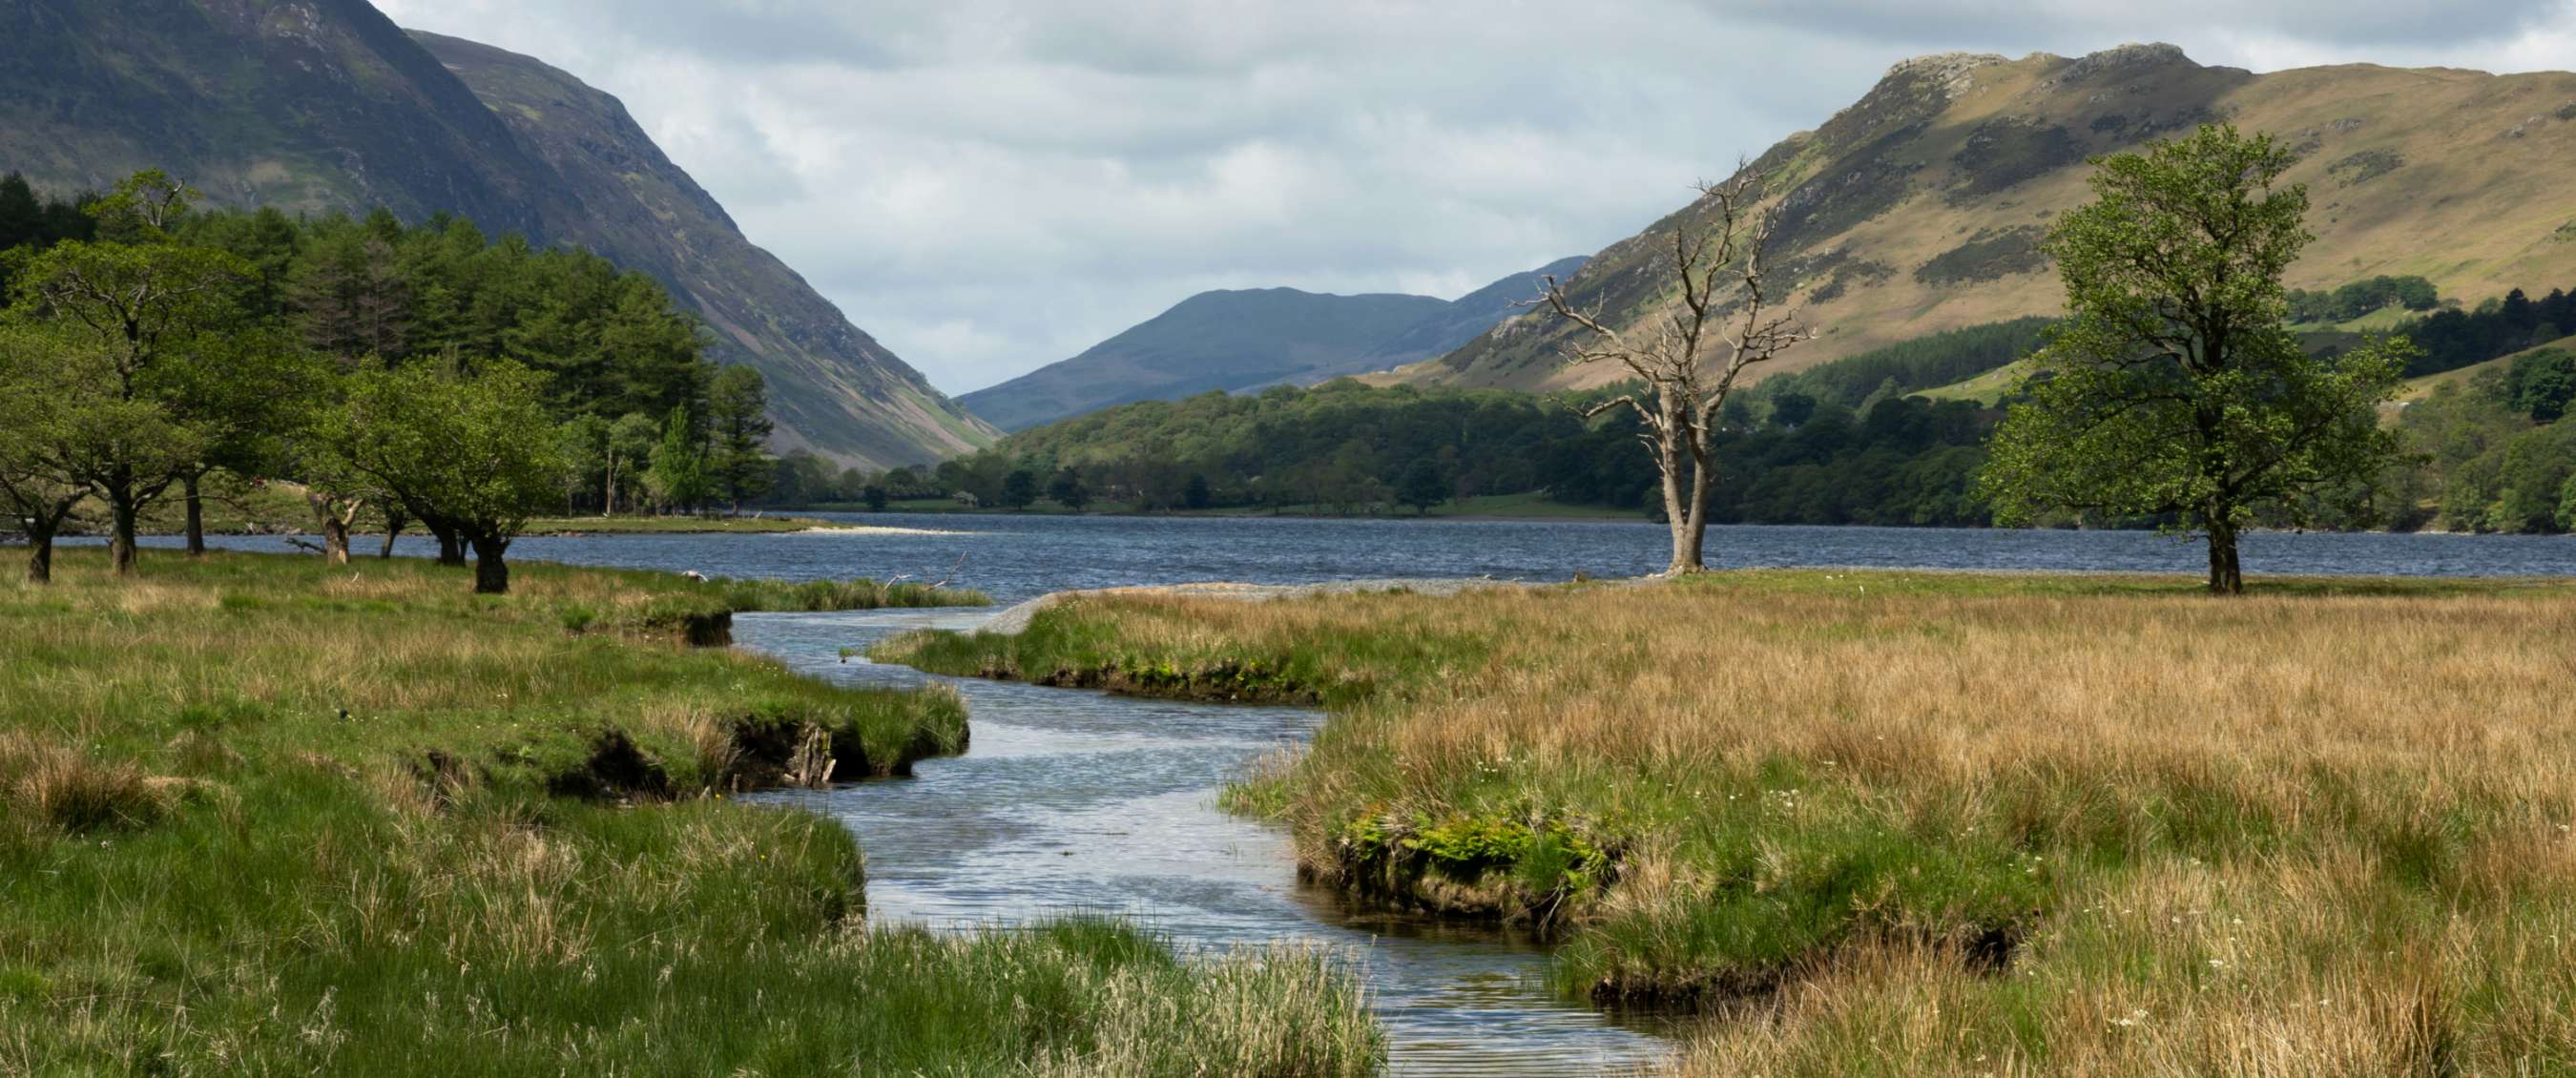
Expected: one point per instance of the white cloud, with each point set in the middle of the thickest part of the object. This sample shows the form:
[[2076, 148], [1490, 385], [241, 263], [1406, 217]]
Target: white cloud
[[989, 186]]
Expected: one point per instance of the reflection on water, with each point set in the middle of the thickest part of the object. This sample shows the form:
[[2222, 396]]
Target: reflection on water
[[1079, 801]]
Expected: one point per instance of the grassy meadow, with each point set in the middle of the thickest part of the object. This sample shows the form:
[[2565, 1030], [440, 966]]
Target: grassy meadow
[[263, 815], [1916, 823]]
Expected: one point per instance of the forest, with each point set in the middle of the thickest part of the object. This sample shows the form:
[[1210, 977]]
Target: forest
[[397, 374]]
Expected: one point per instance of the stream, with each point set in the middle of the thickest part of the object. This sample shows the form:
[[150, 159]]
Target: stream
[[1072, 801]]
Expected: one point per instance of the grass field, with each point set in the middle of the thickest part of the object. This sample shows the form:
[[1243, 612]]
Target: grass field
[[262, 815], [1945, 824]]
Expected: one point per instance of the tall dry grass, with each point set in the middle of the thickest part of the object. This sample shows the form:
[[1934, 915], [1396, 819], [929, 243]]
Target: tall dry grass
[[1915, 823]]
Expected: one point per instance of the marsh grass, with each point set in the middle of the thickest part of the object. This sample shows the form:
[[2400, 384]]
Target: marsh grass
[[258, 815], [1943, 823], [814, 596]]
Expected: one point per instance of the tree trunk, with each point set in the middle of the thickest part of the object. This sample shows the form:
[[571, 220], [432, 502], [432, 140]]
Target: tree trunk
[[451, 546], [196, 520], [335, 539], [120, 540], [491, 574], [395, 522], [328, 516], [40, 553], [1677, 515], [1692, 538], [2226, 576], [608, 492]]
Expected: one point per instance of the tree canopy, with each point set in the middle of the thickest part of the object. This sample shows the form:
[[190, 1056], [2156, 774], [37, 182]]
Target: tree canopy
[[422, 372], [2174, 388]]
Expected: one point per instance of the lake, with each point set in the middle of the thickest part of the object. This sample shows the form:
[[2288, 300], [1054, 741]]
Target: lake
[[1016, 557]]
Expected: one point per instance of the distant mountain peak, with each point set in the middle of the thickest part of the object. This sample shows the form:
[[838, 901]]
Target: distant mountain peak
[[1240, 339], [2126, 59]]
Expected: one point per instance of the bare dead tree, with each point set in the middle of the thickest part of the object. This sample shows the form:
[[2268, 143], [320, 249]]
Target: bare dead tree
[[1691, 353]]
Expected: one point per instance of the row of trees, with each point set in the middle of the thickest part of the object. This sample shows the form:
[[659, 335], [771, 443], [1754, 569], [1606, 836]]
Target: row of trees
[[2448, 340], [2362, 297], [1350, 448], [415, 376]]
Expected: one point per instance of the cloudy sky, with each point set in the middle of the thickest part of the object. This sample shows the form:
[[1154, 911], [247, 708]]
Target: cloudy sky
[[992, 185]]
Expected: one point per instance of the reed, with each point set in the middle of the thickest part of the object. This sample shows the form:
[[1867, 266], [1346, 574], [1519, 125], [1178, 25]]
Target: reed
[[1938, 823]]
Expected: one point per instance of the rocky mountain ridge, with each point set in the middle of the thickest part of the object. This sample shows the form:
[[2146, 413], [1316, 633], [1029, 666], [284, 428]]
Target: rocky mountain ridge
[[1921, 207]]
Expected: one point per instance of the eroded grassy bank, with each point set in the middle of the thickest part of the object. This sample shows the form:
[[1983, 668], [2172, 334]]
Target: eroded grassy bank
[[1919, 823], [262, 815]]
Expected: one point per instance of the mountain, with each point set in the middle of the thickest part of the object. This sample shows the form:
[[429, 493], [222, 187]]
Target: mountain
[[833, 388], [320, 105], [1920, 208], [1467, 318], [1225, 340], [1241, 340]]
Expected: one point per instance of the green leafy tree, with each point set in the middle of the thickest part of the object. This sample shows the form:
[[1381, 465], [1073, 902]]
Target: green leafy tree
[[473, 449], [678, 475], [582, 441], [55, 407], [2527, 483], [629, 448], [1422, 487], [1792, 409], [340, 463], [737, 414], [153, 309], [1067, 490], [874, 496], [2174, 388], [2542, 384], [1020, 489], [239, 393], [1195, 493]]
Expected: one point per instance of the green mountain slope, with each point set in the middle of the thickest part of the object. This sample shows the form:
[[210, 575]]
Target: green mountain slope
[[326, 105], [1919, 208], [1247, 339], [834, 389]]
